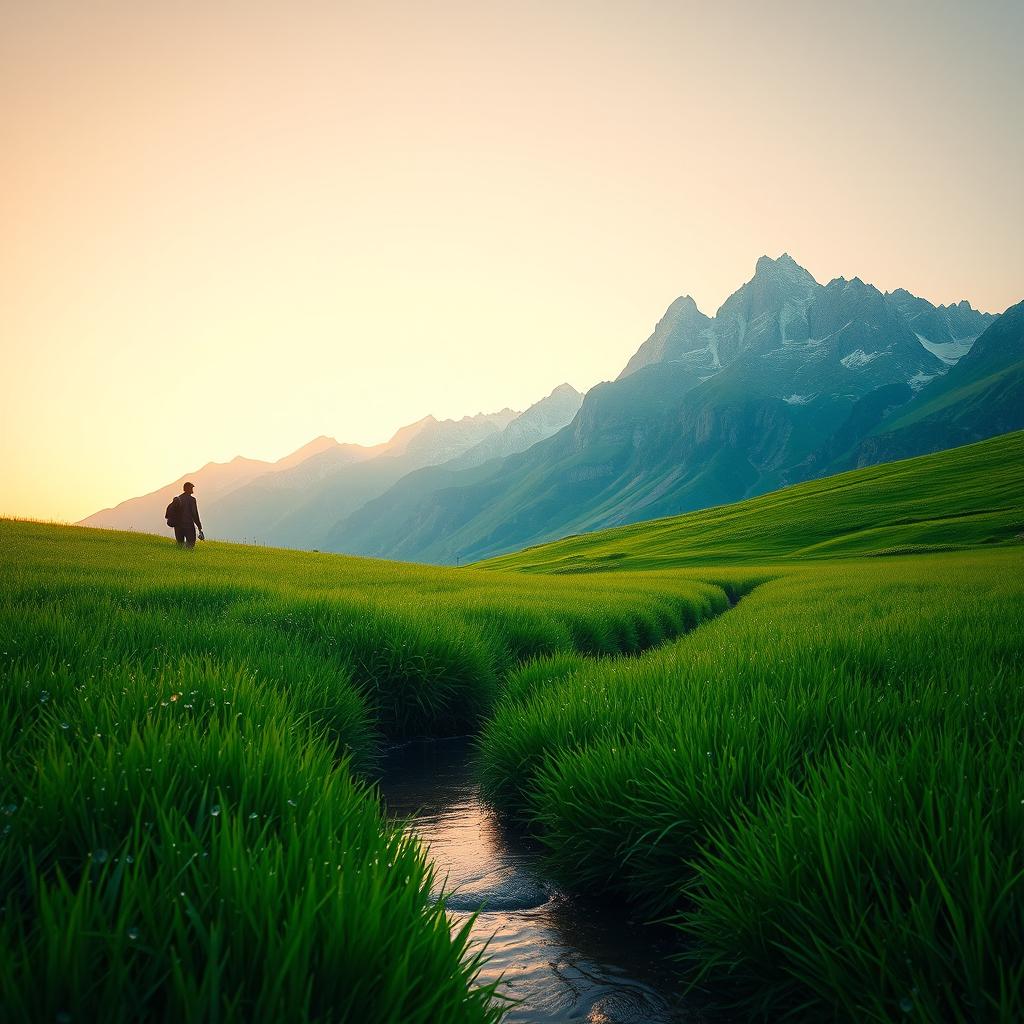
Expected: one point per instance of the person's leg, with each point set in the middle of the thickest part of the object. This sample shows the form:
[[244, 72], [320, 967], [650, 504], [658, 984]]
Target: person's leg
[[179, 535], [190, 536]]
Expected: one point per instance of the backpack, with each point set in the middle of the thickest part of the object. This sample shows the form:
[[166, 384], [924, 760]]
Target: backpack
[[173, 513]]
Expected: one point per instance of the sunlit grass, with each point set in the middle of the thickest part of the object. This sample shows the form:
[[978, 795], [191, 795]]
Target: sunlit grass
[[185, 835], [951, 500], [820, 788]]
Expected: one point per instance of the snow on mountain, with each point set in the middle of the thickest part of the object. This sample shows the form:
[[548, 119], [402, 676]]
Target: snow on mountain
[[858, 357]]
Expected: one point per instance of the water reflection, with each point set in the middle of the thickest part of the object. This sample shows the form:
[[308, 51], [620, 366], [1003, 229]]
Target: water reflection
[[564, 959]]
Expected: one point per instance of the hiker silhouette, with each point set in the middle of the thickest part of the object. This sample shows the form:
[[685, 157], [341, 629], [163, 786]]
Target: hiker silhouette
[[187, 519]]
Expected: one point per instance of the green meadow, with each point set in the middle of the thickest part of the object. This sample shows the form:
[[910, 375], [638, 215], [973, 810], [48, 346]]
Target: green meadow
[[187, 830], [789, 730]]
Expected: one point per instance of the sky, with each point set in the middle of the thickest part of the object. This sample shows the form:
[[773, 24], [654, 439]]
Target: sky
[[229, 228]]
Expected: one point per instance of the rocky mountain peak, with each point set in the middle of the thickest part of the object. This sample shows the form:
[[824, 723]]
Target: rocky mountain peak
[[774, 283], [679, 332], [684, 304], [785, 269]]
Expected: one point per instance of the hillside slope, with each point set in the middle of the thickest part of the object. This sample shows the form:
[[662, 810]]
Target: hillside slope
[[968, 496], [981, 396]]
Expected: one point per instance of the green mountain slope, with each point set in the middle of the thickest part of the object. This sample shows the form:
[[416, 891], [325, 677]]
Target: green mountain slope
[[968, 496], [983, 395]]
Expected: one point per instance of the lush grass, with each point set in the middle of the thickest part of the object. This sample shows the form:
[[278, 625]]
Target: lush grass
[[402, 649], [205, 858], [184, 832], [963, 497], [821, 788]]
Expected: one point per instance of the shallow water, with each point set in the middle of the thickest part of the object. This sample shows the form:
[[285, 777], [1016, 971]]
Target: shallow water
[[564, 958]]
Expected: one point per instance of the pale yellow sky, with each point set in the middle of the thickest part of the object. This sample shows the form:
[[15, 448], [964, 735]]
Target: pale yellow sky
[[228, 228]]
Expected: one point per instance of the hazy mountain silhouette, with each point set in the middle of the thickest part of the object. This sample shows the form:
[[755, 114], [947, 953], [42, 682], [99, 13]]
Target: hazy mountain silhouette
[[383, 516], [213, 481], [541, 420], [294, 501], [298, 508]]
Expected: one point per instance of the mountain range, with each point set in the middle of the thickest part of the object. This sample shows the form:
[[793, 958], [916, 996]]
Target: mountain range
[[789, 380], [295, 501]]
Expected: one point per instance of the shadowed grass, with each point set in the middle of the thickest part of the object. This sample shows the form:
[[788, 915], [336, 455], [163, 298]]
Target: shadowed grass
[[886, 885]]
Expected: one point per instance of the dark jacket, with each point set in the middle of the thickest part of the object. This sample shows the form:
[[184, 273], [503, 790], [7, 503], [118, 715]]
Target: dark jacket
[[189, 510]]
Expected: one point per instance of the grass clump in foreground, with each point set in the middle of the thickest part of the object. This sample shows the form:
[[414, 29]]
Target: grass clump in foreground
[[184, 833], [172, 857]]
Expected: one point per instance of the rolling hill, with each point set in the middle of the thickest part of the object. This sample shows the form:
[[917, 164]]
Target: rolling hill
[[966, 497]]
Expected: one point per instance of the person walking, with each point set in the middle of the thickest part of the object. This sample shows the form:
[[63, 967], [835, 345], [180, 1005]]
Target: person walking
[[187, 521]]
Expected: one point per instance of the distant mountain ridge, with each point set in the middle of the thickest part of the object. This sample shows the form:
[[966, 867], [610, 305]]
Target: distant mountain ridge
[[982, 397], [789, 380], [295, 500], [782, 305], [541, 420], [215, 480], [384, 515]]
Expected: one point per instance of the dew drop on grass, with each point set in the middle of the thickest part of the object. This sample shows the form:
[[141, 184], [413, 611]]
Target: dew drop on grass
[[44, 696], [906, 1005], [65, 725], [133, 934], [100, 856], [62, 1017], [9, 809], [215, 810], [255, 815]]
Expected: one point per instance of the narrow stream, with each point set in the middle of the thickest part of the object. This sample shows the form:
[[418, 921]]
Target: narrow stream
[[563, 958]]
